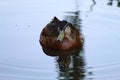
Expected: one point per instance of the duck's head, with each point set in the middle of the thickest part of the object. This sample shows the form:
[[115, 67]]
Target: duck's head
[[63, 28]]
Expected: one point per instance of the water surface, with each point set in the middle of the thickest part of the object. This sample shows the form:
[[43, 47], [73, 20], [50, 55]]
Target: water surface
[[21, 21]]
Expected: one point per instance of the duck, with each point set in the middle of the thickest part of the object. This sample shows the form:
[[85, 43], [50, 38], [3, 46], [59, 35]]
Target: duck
[[61, 39]]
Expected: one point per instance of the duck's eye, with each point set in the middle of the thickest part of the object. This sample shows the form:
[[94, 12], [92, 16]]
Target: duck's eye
[[58, 29]]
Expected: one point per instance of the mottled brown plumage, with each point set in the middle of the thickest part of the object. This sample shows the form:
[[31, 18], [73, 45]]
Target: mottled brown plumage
[[52, 47], [68, 43]]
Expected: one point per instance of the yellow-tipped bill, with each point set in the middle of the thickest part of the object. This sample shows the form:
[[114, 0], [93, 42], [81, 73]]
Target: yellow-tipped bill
[[61, 36]]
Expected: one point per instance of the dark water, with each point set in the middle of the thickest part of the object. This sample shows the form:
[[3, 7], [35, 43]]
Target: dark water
[[21, 57]]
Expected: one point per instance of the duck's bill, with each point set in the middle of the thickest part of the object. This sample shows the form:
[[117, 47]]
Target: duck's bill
[[61, 36]]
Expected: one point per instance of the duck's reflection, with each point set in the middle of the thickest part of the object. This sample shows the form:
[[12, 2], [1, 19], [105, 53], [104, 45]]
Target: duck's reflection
[[76, 69]]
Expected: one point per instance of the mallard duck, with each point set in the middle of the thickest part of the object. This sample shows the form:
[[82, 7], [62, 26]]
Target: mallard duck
[[62, 39]]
